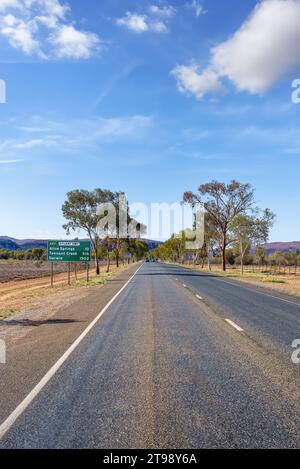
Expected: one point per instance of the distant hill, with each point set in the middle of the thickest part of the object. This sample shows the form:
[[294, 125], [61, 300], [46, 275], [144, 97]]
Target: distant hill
[[152, 244], [8, 243], [14, 244], [282, 247]]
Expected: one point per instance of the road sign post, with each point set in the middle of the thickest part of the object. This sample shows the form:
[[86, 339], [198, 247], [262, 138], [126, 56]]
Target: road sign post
[[69, 252], [87, 272], [52, 268]]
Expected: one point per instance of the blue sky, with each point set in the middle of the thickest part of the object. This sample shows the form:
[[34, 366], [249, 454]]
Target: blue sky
[[150, 97]]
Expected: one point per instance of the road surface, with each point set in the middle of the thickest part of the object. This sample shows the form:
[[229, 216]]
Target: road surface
[[180, 359]]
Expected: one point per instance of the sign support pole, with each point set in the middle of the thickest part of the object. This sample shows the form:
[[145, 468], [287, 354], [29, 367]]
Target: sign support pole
[[87, 272], [69, 274], [51, 274]]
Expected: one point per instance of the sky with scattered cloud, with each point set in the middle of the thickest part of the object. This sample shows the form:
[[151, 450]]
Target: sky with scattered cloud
[[45, 28], [150, 97]]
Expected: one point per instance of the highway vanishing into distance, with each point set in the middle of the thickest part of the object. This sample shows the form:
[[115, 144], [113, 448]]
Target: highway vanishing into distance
[[178, 359]]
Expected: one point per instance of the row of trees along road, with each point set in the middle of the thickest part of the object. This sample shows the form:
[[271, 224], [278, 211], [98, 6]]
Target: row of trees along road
[[80, 211], [231, 217]]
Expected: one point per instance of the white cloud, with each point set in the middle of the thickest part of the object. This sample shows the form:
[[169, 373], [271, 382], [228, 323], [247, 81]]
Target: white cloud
[[166, 11], [261, 52], [77, 135], [71, 43], [141, 23], [34, 129], [10, 161], [41, 27], [5, 4], [155, 21], [197, 7], [191, 82], [264, 49], [20, 34], [120, 127], [29, 144], [158, 27], [134, 22], [44, 141], [50, 7]]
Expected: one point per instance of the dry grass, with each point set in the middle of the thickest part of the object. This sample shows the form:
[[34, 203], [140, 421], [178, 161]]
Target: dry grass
[[27, 294], [284, 282], [25, 270]]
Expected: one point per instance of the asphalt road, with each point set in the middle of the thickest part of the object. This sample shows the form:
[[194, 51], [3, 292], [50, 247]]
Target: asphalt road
[[163, 368]]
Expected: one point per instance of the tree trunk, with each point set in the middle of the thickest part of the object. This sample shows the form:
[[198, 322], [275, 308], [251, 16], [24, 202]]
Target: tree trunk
[[242, 257], [108, 262], [95, 247], [208, 257], [97, 266], [224, 254], [224, 251], [224, 258]]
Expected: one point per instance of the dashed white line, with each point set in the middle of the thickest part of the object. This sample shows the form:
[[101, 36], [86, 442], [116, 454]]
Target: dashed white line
[[253, 290], [8, 423], [233, 324], [184, 286], [199, 297]]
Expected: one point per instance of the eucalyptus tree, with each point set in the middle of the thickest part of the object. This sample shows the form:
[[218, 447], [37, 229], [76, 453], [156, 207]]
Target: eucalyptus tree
[[250, 231], [223, 203]]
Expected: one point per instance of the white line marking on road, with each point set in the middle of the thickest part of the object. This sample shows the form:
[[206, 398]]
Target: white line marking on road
[[184, 285], [250, 289], [199, 297], [7, 424], [233, 324]]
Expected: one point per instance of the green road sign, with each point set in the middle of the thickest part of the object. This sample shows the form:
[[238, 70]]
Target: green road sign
[[69, 251]]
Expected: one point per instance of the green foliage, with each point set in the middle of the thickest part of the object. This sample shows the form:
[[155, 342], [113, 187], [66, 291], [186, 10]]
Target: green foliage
[[35, 254], [173, 250], [233, 227], [223, 203], [138, 249], [80, 211]]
